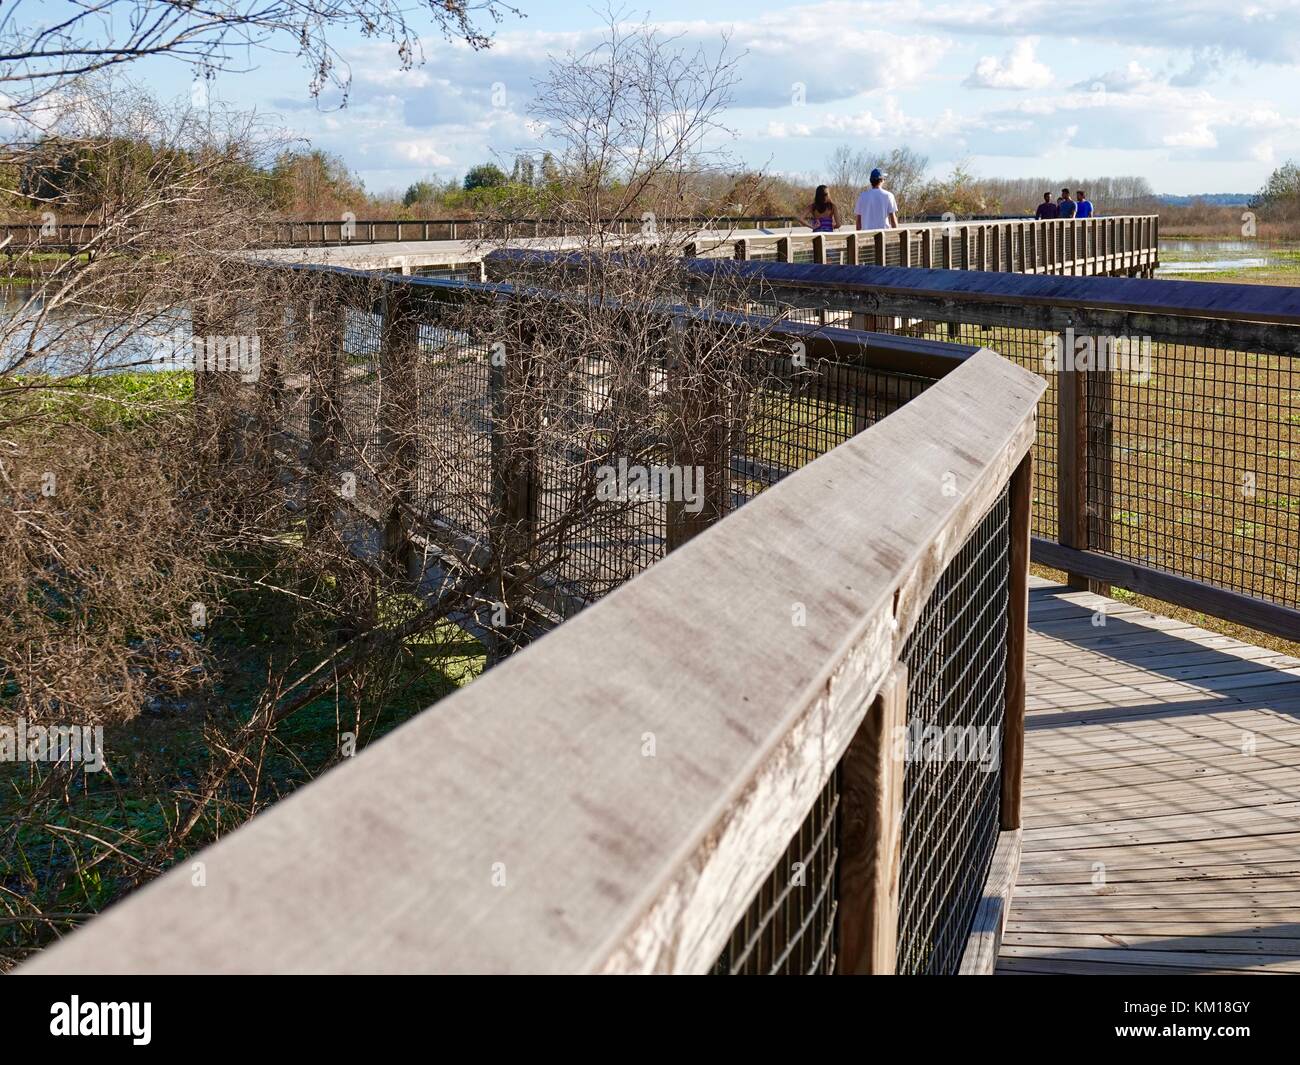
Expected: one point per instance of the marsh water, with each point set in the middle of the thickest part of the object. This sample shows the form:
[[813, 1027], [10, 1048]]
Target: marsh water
[[74, 341], [1237, 254]]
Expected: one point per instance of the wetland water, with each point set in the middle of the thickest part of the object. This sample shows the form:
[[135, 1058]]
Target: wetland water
[[73, 341], [1236, 255]]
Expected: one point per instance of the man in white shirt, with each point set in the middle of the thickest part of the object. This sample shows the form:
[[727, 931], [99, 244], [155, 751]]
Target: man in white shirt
[[876, 207]]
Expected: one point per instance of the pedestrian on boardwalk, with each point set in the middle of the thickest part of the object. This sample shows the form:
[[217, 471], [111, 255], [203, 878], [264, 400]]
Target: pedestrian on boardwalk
[[822, 215], [876, 207]]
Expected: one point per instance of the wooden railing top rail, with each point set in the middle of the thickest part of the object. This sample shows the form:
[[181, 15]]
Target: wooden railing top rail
[[954, 224], [334, 223], [520, 826], [910, 355], [1201, 299]]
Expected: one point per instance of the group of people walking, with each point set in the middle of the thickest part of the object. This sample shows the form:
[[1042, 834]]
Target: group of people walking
[[876, 207], [1078, 206]]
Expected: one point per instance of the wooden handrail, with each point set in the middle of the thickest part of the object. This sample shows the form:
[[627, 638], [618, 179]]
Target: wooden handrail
[[521, 827], [980, 246], [1231, 318], [365, 231]]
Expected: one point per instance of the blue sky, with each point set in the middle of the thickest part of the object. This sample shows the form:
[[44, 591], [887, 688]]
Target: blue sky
[[1196, 96]]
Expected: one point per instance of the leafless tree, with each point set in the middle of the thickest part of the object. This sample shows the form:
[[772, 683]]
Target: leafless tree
[[407, 466], [44, 51], [848, 171]]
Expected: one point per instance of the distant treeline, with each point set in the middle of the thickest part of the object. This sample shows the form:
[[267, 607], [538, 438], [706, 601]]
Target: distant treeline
[[1212, 199], [300, 184]]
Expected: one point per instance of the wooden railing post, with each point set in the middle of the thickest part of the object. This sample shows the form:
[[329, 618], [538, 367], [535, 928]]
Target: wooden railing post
[[851, 249], [871, 837], [1021, 493], [271, 344], [783, 250], [514, 445], [1071, 457], [819, 257], [1098, 408], [703, 433], [904, 247], [399, 353], [880, 248], [322, 324]]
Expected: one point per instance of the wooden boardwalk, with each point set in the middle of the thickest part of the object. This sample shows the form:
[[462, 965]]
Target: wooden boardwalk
[[1161, 798]]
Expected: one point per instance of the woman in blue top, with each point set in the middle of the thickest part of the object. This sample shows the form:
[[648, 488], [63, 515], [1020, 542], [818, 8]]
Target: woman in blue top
[[822, 215]]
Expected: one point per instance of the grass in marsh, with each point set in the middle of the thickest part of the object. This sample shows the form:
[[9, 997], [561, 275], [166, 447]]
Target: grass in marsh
[[72, 842], [1281, 264], [1229, 228], [1281, 273], [1205, 460], [30, 267]]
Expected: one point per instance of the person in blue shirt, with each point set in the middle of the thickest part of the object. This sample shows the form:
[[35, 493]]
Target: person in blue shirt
[[1065, 207], [1083, 206], [1046, 209]]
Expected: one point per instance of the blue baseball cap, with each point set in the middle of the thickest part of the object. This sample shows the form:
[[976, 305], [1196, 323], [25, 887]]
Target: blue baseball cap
[[876, 174]]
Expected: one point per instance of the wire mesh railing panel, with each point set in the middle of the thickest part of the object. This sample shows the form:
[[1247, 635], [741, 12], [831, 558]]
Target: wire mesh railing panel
[[1025, 347], [755, 415], [956, 690], [790, 926], [602, 539], [450, 272], [358, 403], [453, 482], [795, 414], [1203, 478]]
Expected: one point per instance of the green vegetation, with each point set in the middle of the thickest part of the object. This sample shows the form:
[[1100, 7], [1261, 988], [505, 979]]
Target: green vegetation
[[484, 176], [110, 400], [221, 739], [74, 843]]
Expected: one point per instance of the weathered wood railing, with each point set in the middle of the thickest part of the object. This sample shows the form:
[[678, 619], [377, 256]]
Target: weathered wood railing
[[1123, 245], [1168, 455], [63, 236], [634, 790]]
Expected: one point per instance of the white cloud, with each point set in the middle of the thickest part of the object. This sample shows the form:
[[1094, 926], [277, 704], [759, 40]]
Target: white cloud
[[421, 152], [1261, 30], [1199, 135], [1129, 78], [1018, 69], [883, 73]]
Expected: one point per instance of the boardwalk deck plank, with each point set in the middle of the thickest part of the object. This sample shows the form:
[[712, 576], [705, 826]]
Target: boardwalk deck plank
[[1139, 761]]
